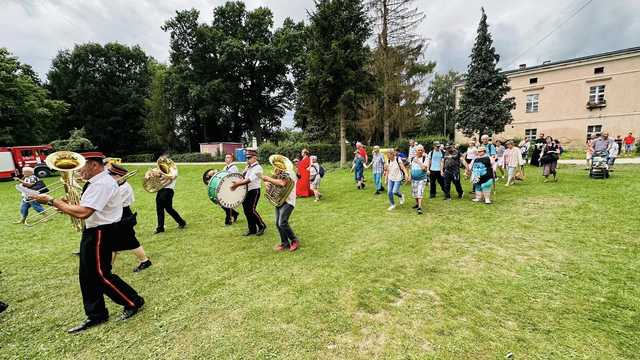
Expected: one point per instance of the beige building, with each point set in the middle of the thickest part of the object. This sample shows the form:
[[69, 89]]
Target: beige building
[[573, 98]]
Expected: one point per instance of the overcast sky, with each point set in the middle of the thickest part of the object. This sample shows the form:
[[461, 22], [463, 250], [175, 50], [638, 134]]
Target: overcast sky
[[34, 30]]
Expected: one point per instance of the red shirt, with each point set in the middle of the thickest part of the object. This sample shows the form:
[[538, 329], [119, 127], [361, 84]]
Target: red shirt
[[629, 140], [363, 153]]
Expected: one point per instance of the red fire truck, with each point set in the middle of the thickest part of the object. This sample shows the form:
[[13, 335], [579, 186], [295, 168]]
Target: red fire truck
[[14, 158]]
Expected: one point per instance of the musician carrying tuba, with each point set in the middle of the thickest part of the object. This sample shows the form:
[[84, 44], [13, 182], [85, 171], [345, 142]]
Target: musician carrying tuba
[[162, 181], [280, 192]]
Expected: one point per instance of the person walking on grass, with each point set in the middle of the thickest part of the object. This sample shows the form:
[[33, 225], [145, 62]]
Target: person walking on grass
[[419, 170], [358, 169], [453, 161], [500, 158], [315, 177], [31, 182], [589, 150], [435, 160], [288, 239], [482, 176], [412, 150], [549, 159], [629, 140], [513, 161], [394, 172], [377, 163], [472, 152], [524, 149], [613, 154]]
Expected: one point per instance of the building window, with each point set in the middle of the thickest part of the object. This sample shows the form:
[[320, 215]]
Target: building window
[[598, 70], [532, 103], [594, 129], [531, 134], [596, 95], [533, 81]]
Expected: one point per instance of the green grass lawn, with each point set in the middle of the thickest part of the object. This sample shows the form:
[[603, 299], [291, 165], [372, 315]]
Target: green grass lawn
[[549, 271]]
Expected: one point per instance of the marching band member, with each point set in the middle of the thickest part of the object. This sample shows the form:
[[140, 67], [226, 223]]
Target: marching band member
[[252, 175], [164, 202], [288, 239], [101, 208], [231, 215], [128, 240]]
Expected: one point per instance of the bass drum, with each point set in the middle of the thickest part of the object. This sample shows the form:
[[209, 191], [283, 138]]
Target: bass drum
[[220, 190]]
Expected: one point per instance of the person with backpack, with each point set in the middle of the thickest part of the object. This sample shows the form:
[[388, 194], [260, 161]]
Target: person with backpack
[[316, 174], [419, 171], [394, 172], [435, 162]]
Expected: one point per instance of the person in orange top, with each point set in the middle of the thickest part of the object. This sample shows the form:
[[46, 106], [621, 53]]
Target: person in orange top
[[303, 185]]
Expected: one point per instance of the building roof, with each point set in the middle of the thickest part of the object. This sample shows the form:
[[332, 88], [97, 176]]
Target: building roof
[[575, 60]]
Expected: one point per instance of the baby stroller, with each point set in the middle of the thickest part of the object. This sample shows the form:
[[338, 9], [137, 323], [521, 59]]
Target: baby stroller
[[599, 165]]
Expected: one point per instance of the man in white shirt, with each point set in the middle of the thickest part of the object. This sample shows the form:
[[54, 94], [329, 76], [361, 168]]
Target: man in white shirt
[[101, 208], [164, 202], [252, 176]]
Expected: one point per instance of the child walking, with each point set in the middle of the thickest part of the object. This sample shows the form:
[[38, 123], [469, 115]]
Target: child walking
[[314, 172], [358, 167], [29, 181]]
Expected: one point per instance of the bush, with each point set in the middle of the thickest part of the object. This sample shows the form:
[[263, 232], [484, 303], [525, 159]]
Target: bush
[[139, 158], [324, 152], [193, 157], [76, 142], [186, 157]]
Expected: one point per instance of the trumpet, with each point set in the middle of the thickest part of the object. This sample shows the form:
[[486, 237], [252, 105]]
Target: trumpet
[[67, 163]]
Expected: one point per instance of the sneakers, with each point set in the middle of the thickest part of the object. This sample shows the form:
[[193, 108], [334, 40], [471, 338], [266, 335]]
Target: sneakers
[[261, 231], [392, 207], [487, 201], [281, 247], [419, 211], [401, 199], [475, 200], [21, 221], [295, 244], [143, 265], [415, 206]]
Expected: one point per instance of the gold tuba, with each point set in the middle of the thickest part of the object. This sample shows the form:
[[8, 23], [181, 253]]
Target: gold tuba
[[67, 163], [277, 195], [153, 180]]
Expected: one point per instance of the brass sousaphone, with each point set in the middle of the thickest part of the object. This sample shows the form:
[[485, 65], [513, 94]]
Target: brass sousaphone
[[67, 163], [154, 180], [277, 195]]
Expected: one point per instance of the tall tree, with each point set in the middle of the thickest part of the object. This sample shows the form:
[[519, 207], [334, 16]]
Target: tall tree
[[483, 107], [399, 65], [27, 115], [160, 122], [106, 87], [440, 105], [336, 78], [230, 77]]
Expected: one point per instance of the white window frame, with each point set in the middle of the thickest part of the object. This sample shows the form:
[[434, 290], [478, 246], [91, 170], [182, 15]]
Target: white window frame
[[594, 129], [533, 103], [596, 94], [530, 134]]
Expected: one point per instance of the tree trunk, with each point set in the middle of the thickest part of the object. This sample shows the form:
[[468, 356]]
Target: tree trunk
[[384, 45], [343, 140]]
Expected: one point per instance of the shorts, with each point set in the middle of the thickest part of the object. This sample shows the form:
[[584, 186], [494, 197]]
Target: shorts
[[500, 162], [417, 188], [315, 184]]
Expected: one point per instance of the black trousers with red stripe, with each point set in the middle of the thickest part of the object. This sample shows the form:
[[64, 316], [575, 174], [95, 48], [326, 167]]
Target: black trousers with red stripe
[[96, 278], [254, 221]]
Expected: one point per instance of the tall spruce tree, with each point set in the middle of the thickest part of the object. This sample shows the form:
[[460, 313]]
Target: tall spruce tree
[[484, 109], [336, 78]]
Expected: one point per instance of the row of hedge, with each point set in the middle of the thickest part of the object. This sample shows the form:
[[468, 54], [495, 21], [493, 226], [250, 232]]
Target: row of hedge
[[324, 152], [186, 157]]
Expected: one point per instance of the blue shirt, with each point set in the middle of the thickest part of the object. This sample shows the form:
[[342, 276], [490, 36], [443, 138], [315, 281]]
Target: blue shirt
[[436, 158]]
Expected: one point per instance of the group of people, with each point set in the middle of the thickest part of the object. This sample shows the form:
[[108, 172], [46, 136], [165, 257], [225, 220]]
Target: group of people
[[603, 144], [309, 173], [484, 163]]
